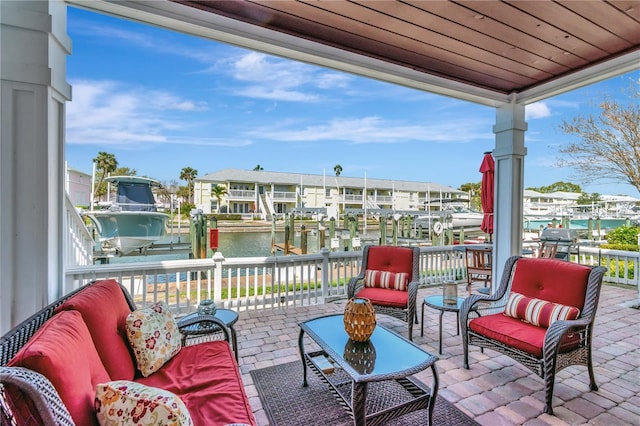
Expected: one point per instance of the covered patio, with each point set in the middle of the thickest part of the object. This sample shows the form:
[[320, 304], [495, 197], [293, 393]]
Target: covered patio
[[495, 390], [504, 56]]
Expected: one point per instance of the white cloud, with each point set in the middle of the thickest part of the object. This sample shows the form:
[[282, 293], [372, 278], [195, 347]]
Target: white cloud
[[376, 130], [112, 113], [537, 110], [267, 77]]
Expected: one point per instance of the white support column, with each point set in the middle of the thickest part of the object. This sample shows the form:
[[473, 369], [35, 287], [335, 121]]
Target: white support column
[[509, 156], [33, 90]]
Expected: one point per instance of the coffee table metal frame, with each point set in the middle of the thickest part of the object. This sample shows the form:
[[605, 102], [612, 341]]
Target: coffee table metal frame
[[351, 387], [437, 302], [196, 324]]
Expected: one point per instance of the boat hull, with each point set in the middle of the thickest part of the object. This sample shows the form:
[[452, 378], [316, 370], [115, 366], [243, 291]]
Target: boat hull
[[128, 231]]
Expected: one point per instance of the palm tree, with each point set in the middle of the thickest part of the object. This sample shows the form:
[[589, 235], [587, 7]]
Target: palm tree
[[188, 174], [218, 192], [105, 164], [258, 168], [338, 169]]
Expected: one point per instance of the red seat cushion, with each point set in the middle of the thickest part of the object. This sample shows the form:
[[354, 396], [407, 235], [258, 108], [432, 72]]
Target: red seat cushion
[[106, 325], [206, 377], [518, 334], [385, 297], [552, 280], [62, 350]]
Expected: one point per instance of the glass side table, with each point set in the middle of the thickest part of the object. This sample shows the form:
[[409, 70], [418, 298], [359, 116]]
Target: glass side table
[[437, 302], [227, 316]]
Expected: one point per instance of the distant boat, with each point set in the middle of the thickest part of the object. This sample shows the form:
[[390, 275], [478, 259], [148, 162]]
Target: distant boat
[[131, 222], [453, 212]]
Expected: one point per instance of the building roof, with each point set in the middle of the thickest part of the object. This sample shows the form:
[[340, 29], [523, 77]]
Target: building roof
[[280, 178]]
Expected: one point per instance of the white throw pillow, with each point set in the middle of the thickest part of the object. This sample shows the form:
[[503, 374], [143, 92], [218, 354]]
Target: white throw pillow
[[154, 337], [122, 402]]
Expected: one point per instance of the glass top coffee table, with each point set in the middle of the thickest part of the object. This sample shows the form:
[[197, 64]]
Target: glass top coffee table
[[358, 370]]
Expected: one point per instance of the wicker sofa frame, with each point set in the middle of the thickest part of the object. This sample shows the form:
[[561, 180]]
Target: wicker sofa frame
[[37, 387], [552, 360], [407, 314]]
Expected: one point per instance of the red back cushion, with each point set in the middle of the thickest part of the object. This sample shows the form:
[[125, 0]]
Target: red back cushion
[[391, 259], [552, 280], [62, 350], [104, 309]]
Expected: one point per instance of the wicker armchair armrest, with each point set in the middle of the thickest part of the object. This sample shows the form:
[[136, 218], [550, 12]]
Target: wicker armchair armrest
[[203, 326], [558, 329], [355, 285], [41, 393]]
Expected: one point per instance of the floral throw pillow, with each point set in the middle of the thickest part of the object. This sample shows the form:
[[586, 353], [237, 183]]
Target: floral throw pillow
[[154, 337], [129, 403]]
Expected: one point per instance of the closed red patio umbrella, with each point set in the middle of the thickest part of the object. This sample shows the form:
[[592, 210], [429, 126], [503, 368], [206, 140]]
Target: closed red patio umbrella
[[487, 168]]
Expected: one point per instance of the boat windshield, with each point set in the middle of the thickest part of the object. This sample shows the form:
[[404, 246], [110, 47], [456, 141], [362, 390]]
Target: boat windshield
[[135, 197]]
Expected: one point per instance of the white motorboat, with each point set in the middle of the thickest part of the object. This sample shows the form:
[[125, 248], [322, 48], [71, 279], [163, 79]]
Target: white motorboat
[[131, 222]]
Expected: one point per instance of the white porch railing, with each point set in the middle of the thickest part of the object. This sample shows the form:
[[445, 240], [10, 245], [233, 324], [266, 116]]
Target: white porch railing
[[78, 243], [252, 283]]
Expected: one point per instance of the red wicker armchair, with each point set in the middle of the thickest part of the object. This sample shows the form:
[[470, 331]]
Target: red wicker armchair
[[389, 279], [541, 315]]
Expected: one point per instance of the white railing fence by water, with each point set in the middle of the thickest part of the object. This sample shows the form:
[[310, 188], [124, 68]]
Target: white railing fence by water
[[251, 283]]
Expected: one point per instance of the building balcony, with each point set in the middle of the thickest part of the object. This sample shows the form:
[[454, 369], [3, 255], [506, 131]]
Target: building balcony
[[241, 194]]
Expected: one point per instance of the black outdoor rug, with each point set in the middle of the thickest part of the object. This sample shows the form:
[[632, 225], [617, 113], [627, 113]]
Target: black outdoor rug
[[287, 403]]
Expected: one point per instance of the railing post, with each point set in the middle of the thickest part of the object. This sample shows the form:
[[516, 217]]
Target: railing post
[[218, 260], [325, 271]]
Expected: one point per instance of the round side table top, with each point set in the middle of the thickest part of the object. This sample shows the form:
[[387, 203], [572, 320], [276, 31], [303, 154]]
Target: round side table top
[[227, 316], [437, 302]]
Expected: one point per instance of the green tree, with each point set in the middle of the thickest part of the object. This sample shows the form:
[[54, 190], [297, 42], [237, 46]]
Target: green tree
[[473, 189], [258, 168], [124, 171], [183, 193], [609, 144], [218, 192], [588, 199], [189, 174], [558, 186], [105, 163], [338, 169]]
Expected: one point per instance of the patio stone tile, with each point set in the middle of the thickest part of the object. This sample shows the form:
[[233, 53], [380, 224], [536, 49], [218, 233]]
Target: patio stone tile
[[496, 390], [625, 415], [568, 416], [493, 419], [584, 407], [599, 400], [607, 419]]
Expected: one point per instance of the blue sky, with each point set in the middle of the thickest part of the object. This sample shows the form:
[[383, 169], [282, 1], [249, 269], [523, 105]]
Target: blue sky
[[161, 101]]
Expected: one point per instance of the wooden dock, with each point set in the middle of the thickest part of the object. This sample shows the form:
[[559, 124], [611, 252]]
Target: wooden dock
[[286, 249]]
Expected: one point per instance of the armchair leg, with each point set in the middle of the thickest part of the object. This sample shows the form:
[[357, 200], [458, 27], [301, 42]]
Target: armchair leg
[[411, 330], [592, 378]]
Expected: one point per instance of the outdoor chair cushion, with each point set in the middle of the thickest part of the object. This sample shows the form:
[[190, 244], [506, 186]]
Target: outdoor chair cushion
[[123, 402], [63, 351], [552, 280], [518, 334], [385, 279], [206, 377], [106, 325], [385, 297], [154, 337], [538, 312], [391, 259]]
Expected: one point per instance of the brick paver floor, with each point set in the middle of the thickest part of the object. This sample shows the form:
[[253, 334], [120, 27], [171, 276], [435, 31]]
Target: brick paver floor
[[495, 390]]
